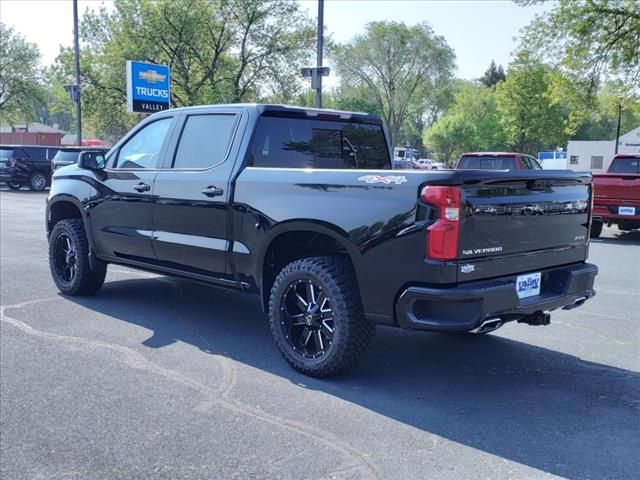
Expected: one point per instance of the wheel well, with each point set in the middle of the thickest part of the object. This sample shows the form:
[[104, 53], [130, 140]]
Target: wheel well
[[60, 211], [291, 246]]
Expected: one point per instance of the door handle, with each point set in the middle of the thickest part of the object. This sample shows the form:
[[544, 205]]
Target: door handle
[[212, 191], [142, 187]]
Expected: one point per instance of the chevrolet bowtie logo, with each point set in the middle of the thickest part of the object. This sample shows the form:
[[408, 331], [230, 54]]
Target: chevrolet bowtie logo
[[151, 76]]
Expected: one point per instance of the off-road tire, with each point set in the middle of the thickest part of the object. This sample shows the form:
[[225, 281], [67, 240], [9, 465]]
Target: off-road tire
[[85, 281], [352, 333]]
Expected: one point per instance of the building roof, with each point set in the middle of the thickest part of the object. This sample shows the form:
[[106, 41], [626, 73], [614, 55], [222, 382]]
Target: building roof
[[33, 127]]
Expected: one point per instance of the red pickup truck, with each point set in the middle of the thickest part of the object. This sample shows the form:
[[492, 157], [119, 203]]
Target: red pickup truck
[[617, 195]]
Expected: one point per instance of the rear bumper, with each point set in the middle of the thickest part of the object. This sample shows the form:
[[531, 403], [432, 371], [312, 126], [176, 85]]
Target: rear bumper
[[608, 213], [465, 307]]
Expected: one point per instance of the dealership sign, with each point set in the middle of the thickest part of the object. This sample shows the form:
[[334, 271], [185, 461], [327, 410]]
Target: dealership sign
[[148, 87]]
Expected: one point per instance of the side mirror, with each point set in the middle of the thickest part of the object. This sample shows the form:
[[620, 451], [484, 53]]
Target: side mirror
[[91, 160]]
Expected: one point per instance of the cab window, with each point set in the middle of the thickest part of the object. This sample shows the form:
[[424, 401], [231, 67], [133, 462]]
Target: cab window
[[142, 150], [204, 140]]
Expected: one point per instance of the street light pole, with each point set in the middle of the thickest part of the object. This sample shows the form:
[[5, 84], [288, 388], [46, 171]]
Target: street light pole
[[320, 47], [76, 49], [618, 127]]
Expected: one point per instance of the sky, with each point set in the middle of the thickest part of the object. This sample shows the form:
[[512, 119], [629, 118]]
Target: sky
[[477, 30]]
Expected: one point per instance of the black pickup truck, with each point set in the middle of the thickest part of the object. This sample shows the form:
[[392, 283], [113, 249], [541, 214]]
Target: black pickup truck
[[301, 207]]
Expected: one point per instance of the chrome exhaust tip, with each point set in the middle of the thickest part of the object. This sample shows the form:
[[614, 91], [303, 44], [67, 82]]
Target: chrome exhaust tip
[[488, 325], [575, 304]]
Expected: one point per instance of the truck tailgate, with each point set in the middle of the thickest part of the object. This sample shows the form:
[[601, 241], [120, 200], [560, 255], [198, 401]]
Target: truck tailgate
[[523, 222], [617, 187]]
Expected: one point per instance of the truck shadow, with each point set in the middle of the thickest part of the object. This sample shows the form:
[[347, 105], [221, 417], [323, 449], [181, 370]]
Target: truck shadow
[[620, 238], [538, 407]]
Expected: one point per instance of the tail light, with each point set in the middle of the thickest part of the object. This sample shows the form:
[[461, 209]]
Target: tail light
[[442, 235]]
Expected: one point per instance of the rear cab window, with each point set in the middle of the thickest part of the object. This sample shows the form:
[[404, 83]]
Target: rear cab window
[[284, 142], [204, 140], [625, 165], [490, 162]]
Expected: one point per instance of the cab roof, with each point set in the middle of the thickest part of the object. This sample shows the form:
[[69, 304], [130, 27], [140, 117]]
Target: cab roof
[[295, 111]]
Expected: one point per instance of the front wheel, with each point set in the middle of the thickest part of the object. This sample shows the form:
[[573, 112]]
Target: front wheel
[[37, 182], [596, 229], [316, 316], [69, 259]]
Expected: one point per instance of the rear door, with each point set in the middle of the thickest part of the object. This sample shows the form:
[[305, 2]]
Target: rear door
[[192, 193], [523, 221], [121, 218]]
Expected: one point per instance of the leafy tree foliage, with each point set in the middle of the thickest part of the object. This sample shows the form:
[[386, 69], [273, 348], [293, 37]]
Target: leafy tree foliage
[[590, 38], [531, 120], [398, 64], [493, 75], [472, 123], [601, 120], [219, 52], [20, 88]]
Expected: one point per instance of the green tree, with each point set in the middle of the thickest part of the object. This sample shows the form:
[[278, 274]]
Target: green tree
[[397, 64], [589, 38], [530, 117], [223, 51], [602, 119], [472, 123], [20, 88], [493, 75]]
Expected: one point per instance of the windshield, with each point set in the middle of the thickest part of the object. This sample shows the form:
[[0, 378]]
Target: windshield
[[487, 163], [66, 156], [625, 165]]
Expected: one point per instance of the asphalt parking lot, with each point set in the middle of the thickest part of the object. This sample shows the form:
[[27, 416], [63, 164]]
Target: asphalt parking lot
[[161, 378]]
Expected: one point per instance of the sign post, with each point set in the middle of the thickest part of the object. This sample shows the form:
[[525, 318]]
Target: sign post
[[148, 87]]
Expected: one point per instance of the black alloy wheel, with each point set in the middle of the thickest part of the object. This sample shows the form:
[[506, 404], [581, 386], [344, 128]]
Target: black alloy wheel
[[64, 258], [307, 319], [69, 263], [316, 316]]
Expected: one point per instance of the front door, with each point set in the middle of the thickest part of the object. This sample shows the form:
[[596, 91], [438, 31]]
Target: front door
[[121, 216], [192, 195]]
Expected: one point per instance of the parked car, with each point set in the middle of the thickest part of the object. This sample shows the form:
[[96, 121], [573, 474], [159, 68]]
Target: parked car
[[26, 165], [497, 161], [427, 164], [403, 157], [301, 208], [69, 155], [617, 195]]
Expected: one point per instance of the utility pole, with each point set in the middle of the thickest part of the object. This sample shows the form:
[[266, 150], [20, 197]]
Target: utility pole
[[316, 73], [319, 52], [618, 127], [76, 50]]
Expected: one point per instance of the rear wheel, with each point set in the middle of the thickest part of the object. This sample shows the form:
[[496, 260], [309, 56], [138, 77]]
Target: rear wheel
[[14, 185], [596, 229], [69, 260], [316, 316], [37, 182]]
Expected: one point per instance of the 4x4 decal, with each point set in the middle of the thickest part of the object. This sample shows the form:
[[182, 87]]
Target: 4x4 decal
[[384, 179]]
